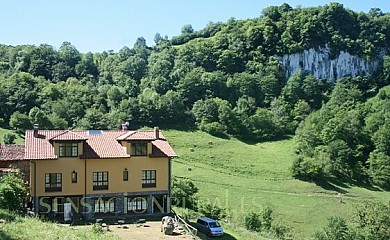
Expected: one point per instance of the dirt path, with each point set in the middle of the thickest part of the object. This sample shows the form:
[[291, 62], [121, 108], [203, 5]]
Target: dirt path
[[148, 230]]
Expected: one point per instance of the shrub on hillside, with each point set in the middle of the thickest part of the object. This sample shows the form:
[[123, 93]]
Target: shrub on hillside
[[9, 138], [252, 222], [212, 210], [264, 223], [336, 228], [214, 128], [13, 192], [306, 168], [259, 222], [184, 193], [371, 221]]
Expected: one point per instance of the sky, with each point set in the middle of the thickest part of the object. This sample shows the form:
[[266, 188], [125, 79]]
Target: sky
[[102, 25]]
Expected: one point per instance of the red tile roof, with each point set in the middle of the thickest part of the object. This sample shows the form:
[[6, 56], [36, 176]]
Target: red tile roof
[[11, 152], [68, 136], [105, 144]]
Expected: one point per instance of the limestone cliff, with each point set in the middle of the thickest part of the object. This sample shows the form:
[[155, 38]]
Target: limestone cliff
[[319, 63]]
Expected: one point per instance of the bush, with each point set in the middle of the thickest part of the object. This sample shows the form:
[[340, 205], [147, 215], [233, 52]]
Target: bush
[[266, 218], [9, 138], [280, 231], [212, 211], [263, 223], [253, 222], [215, 128], [13, 192], [188, 214], [184, 193], [306, 168], [97, 228], [373, 221], [336, 228]]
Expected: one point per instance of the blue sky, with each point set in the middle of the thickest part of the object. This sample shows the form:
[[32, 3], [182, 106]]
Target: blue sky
[[98, 25]]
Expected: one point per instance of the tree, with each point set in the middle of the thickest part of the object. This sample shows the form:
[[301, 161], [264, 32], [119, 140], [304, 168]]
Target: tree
[[379, 170], [69, 54], [187, 29], [140, 43], [205, 111], [94, 119], [157, 38], [20, 122], [57, 122], [13, 192], [184, 193], [262, 125], [245, 84], [86, 67], [37, 116]]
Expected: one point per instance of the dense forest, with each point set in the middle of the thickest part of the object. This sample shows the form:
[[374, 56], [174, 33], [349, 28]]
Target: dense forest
[[226, 79]]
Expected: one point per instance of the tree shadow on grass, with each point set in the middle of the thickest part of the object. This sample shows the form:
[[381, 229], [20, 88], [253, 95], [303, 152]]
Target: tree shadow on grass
[[5, 236], [252, 140], [225, 236], [332, 186], [339, 185]]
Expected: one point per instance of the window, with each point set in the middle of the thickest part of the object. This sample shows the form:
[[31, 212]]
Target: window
[[139, 149], [100, 180], [125, 175], [53, 182], [137, 204], [68, 149], [105, 205], [74, 177], [148, 178]]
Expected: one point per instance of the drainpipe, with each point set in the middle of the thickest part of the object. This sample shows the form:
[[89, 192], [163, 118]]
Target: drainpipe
[[169, 185], [85, 185], [35, 186]]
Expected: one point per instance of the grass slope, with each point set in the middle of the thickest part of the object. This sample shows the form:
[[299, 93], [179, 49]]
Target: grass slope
[[19, 139], [29, 228], [244, 177]]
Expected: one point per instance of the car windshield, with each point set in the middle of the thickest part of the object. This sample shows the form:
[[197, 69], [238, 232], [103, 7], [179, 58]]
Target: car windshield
[[214, 224]]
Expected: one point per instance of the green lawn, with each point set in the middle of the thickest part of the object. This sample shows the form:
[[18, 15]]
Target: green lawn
[[13, 227], [3, 131], [243, 177]]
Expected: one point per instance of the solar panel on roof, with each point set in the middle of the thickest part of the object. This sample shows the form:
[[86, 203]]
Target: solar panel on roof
[[94, 132]]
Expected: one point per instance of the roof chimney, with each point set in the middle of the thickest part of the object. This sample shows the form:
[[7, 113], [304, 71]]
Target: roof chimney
[[36, 128], [156, 133]]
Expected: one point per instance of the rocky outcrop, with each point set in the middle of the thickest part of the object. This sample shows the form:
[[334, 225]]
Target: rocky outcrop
[[318, 63]]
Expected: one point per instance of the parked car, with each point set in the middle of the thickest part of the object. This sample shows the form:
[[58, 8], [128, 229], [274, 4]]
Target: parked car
[[209, 226]]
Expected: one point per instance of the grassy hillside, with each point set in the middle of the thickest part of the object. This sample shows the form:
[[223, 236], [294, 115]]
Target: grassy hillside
[[243, 177], [18, 140], [14, 227]]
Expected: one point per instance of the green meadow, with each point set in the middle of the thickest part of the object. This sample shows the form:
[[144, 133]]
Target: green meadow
[[244, 177], [19, 139]]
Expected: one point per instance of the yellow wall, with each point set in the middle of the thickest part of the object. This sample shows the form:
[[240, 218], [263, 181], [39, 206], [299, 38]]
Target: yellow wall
[[61, 165], [134, 165], [115, 168]]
